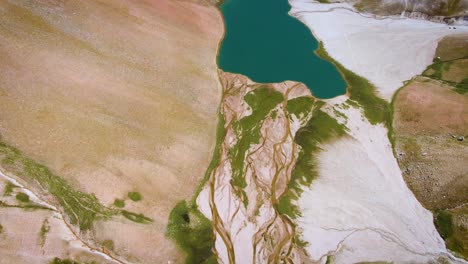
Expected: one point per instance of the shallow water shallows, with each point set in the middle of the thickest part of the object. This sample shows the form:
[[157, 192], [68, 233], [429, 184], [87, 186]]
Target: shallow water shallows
[[266, 44]]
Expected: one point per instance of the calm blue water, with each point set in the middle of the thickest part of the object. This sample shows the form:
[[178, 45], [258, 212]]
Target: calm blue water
[[266, 44]]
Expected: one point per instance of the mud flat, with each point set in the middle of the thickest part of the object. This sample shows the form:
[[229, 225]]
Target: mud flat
[[386, 51], [359, 208]]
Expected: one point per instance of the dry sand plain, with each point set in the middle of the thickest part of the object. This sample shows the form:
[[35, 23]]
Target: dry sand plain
[[121, 94]]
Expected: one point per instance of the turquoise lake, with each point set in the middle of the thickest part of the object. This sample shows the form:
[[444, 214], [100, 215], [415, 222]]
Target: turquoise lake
[[267, 45]]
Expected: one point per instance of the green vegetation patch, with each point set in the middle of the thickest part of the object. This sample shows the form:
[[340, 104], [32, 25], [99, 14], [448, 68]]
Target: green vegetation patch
[[134, 196], [215, 160], [192, 232], [9, 186], [300, 106], [109, 244], [137, 218], [261, 100], [120, 203], [1, 229], [455, 234], [68, 261], [445, 73], [319, 129], [188, 227], [436, 69], [462, 87], [81, 208], [360, 90], [444, 222], [22, 197], [45, 228], [27, 206]]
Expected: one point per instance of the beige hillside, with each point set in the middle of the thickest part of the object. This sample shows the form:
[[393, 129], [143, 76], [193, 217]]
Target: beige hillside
[[121, 94], [431, 124]]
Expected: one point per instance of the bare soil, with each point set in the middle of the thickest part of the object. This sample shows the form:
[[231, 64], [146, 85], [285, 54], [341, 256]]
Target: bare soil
[[114, 96], [427, 114]]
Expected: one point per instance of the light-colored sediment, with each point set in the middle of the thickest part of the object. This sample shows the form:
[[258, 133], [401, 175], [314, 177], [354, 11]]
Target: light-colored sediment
[[21, 240], [359, 208], [256, 233], [387, 51]]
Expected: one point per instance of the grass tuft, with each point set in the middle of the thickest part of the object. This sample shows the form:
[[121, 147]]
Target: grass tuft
[[9, 186], [81, 208], [261, 100], [22, 197], [192, 232], [137, 218], [119, 203], [45, 228], [134, 196]]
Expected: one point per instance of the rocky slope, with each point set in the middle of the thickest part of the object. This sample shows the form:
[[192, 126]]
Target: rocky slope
[[428, 7], [453, 12]]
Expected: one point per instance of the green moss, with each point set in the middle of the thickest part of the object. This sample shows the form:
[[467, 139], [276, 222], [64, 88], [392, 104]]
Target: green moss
[[443, 222], [45, 228], [300, 106], [81, 208], [137, 218], [319, 129], [261, 100], [109, 244], [438, 68], [455, 236], [360, 90], [274, 114], [22, 197], [27, 206], [1, 229], [68, 261], [9, 188], [462, 87], [220, 134], [187, 225], [435, 70], [134, 196], [119, 203], [192, 232]]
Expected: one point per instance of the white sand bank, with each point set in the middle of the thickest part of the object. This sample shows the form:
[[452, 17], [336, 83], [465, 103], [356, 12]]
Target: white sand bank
[[385, 51], [22, 240], [359, 208]]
